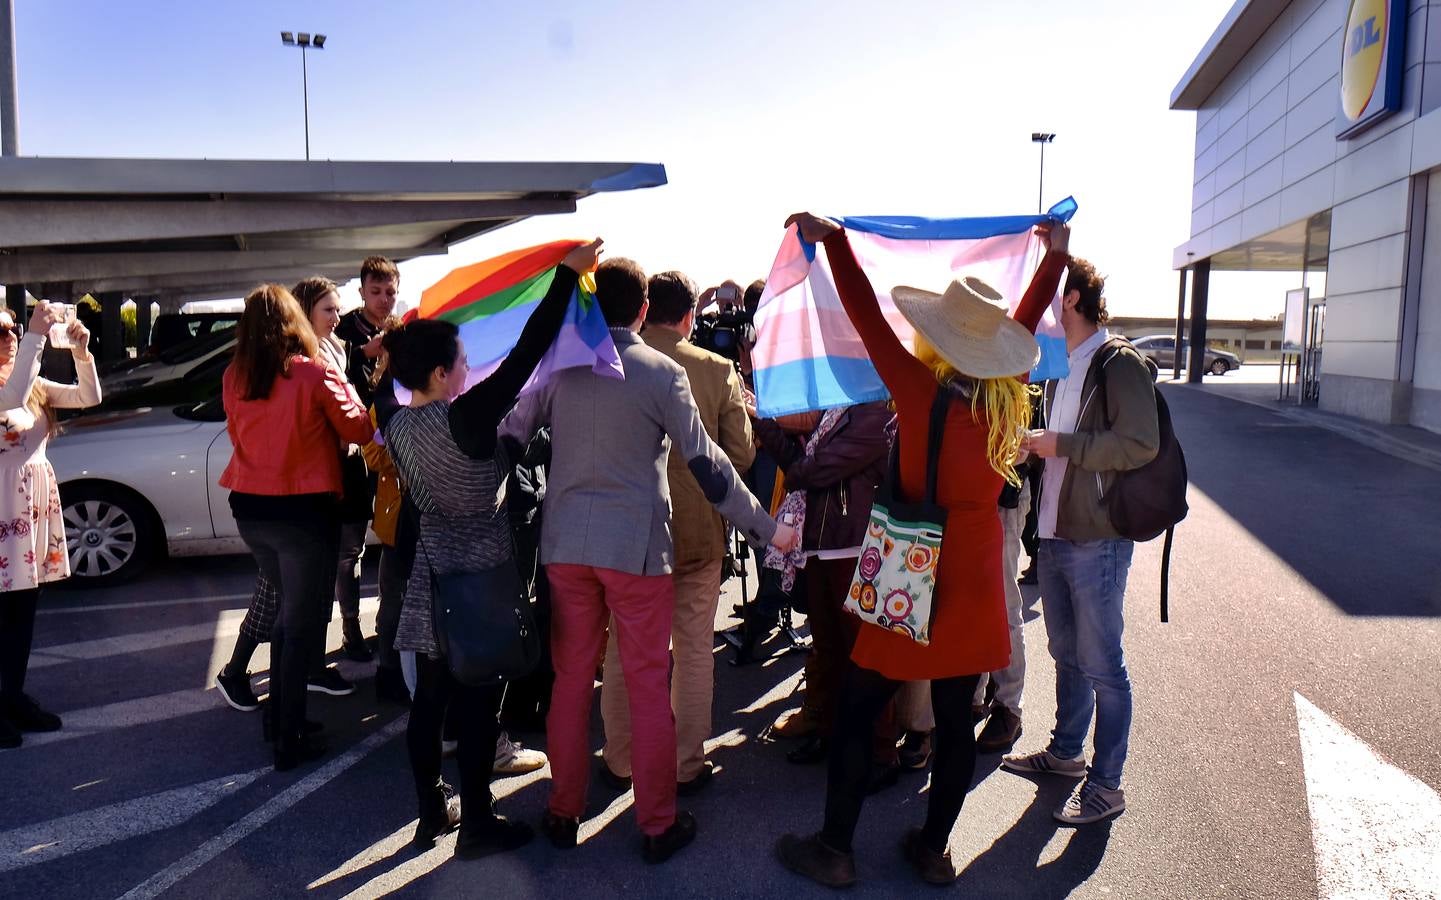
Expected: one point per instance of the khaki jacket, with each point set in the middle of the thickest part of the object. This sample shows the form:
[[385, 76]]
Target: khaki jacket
[[696, 527], [1095, 452]]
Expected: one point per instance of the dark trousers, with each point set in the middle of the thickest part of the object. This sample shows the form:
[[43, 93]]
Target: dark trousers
[[347, 572], [393, 576], [300, 556], [473, 716], [864, 697], [17, 632], [833, 633]]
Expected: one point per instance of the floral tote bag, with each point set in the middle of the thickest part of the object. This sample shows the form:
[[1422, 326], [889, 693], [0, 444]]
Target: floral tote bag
[[895, 581]]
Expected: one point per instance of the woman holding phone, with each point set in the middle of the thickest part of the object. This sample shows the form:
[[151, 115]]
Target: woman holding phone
[[33, 549]]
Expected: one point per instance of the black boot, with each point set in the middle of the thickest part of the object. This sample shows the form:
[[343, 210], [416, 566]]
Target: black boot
[[10, 736], [354, 641], [293, 749], [25, 714], [439, 814], [495, 834], [267, 726]]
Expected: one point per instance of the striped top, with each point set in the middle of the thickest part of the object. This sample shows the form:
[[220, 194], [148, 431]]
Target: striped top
[[464, 523]]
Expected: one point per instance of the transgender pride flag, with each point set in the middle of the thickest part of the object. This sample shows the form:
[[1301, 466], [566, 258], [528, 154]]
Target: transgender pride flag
[[491, 300], [808, 356]]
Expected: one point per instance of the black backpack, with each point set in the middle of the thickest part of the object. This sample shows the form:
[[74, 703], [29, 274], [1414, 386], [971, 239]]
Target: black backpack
[[1147, 502]]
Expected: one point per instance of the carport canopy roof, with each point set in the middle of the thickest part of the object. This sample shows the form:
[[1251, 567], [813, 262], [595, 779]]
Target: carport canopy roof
[[198, 228]]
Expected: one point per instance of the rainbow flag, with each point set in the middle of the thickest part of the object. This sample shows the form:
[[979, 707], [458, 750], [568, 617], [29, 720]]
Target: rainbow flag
[[491, 300], [808, 356]]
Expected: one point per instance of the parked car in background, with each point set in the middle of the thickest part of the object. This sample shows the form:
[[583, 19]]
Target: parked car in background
[[136, 483], [1161, 349], [170, 329], [189, 372]]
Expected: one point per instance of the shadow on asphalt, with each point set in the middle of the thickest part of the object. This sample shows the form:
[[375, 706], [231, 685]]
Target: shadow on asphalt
[[1012, 865], [1358, 524]]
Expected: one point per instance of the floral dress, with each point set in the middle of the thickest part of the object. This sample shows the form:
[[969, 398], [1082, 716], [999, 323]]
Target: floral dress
[[32, 532]]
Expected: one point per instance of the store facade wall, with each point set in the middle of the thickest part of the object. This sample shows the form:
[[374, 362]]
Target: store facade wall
[[1268, 156], [1426, 396]]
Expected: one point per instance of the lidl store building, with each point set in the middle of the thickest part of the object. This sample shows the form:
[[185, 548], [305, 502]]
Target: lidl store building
[[1318, 151]]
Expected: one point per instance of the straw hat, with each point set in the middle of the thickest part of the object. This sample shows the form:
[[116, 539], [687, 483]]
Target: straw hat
[[969, 328]]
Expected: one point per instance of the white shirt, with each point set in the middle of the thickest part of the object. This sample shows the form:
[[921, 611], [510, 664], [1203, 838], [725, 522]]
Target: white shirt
[[1065, 409]]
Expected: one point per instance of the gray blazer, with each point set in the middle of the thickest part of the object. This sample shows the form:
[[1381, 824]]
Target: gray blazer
[[607, 501]]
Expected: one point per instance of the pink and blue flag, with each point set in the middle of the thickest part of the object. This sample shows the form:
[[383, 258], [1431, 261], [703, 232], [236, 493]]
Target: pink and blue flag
[[808, 356]]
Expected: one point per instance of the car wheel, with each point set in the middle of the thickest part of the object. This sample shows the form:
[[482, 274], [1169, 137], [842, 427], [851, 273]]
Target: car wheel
[[1220, 367], [109, 531]]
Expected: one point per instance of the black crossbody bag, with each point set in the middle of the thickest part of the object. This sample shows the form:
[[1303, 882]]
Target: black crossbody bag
[[484, 624]]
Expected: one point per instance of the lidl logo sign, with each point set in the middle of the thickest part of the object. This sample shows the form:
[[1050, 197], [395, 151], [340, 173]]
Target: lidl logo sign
[[1372, 58]]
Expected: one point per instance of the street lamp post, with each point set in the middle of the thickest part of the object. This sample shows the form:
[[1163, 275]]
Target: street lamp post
[[304, 40], [1042, 138]]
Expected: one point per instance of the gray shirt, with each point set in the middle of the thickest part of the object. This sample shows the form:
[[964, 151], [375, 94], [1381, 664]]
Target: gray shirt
[[608, 500]]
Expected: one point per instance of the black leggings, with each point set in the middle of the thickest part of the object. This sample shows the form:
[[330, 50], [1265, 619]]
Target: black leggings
[[17, 631], [862, 699], [473, 715]]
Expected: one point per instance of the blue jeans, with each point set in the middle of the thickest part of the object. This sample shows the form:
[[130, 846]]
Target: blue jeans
[[1083, 588]]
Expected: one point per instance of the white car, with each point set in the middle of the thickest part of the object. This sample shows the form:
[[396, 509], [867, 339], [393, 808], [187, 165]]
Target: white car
[[138, 482]]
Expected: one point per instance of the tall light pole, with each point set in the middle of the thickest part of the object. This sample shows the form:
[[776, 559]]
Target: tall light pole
[[1042, 138], [304, 41]]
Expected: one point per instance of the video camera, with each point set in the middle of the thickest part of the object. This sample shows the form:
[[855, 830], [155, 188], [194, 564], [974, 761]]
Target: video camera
[[724, 332]]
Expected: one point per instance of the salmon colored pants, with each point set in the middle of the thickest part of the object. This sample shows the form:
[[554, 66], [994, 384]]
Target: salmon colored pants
[[692, 689], [583, 600]]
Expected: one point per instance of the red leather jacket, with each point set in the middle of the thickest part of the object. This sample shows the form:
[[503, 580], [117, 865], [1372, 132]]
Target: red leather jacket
[[289, 443]]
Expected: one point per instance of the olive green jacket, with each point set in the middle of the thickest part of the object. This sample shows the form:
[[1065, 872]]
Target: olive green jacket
[[1096, 451]]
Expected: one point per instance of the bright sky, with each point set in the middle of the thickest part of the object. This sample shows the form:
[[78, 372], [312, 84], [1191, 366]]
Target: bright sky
[[757, 109]]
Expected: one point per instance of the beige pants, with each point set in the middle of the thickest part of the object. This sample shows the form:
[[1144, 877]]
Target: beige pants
[[697, 592]]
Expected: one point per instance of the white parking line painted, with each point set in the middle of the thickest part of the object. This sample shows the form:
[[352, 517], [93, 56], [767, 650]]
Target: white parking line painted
[[81, 723], [142, 604], [181, 869], [1375, 828], [226, 624], [44, 842]]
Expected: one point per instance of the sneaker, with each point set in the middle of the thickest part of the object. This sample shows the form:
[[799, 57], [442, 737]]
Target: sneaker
[[1002, 730], [237, 691], [513, 759], [657, 848], [329, 681], [24, 714], [1090, 802], [1045, 762], [915, 752]]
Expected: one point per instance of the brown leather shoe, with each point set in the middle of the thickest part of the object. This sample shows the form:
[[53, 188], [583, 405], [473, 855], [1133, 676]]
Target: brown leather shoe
[[810, 857], [933, 867], [1002, 730], [795, 723]]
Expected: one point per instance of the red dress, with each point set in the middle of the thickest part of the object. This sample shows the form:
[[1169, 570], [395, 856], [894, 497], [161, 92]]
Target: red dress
[[969, 634]]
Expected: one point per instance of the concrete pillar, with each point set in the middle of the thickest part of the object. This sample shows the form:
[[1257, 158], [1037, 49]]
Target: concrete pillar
[[142, 324], [1180, 328], [1200, 293], [112, 330], [15, 300]]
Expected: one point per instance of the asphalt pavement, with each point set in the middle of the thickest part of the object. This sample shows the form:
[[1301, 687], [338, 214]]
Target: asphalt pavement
[[1299, 668]]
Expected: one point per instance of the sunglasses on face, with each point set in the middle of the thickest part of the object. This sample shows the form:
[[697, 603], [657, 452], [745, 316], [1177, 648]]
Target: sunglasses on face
[[12, 330]]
